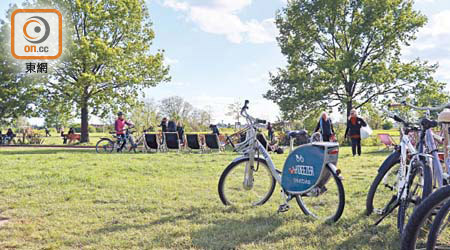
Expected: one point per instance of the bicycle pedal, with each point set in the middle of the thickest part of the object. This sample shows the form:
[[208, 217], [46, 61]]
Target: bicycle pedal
[[283, 208]]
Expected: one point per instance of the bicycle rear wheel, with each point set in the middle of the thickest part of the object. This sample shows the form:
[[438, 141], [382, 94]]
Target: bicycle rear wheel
[[439, 236], [232, 190], [104, 146], [326, 201], [419, 187]]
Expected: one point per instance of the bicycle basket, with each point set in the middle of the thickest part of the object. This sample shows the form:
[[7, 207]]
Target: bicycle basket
[[241, 141]]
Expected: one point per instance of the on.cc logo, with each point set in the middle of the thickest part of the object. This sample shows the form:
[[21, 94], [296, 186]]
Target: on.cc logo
[[37, 29], [36, 34]]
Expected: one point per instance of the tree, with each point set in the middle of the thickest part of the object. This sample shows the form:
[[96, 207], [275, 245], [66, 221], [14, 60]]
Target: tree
[[175, 107], [372, 115], [17, 93], [234, 110], [342, 52], [107, 62], [146, 114]]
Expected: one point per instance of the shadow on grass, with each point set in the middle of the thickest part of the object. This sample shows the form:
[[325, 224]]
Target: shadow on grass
[[45, 151], [231, 233], [192, 215], [378, 237]]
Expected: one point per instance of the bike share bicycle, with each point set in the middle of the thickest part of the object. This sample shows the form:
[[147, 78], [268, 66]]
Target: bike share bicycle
[[309, 175], [404, 179]]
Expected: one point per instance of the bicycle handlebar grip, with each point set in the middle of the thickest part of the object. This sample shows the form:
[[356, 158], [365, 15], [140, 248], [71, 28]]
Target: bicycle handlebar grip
[[398, 119], [395, 105], [245, 106], [260, 121]]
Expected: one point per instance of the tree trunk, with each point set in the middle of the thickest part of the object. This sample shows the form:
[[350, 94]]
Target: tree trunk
[[84, 124], [349, 108]]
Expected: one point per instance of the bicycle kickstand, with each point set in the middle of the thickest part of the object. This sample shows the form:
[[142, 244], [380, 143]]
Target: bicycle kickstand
[[391, 208]]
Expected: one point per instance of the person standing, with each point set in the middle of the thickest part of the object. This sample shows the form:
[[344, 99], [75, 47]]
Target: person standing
[[163, 125], [325, 125], [354, 124], [180, 131], [270, 131], [214, 129]]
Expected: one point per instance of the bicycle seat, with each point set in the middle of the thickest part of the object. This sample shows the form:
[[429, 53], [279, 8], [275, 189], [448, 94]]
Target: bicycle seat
[[427, 123], [112, 133]]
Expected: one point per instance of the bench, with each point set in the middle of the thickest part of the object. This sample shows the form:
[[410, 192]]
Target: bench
[[73, 137]]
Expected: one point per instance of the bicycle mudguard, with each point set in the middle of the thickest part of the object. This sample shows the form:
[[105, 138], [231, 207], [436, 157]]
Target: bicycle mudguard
[[304, 167], [393, 158], [247, 157]]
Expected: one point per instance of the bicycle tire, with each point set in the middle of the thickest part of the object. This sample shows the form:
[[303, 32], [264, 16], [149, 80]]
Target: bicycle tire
[[107, 150], [341, 204], [426, 190], [436, 226], [390, 162], [226, 173], [420, 214]]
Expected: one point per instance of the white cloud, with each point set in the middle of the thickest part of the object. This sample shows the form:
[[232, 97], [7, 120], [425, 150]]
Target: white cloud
[[221, 17], [174, 4], [170, 61], [433, 44]]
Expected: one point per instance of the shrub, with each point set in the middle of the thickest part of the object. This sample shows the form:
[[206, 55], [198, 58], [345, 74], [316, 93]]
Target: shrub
[[387, 125]]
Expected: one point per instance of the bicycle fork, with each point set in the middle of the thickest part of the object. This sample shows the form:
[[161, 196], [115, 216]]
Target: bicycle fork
[[248, 174]]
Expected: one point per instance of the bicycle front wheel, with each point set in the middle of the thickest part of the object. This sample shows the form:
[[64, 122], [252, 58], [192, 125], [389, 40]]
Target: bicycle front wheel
[[383, 190], [420, 215], [439, 236], [104, 146], [234, 190], [419, 187], [326, 201]]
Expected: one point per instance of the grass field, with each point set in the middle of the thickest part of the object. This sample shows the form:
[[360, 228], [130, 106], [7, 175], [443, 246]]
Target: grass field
[[75, 199]]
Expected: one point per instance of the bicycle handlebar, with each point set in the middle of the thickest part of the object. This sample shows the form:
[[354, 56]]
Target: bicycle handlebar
[[249, 118], [404, 103]]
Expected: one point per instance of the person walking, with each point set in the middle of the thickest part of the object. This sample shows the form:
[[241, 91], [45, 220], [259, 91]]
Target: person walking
[[47, 132], [354, 124], [325, 125]]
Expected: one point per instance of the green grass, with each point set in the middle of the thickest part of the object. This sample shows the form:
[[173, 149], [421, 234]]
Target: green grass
[[76, 199]]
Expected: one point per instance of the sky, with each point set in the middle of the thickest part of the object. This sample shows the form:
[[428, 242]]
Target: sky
[[221, 51]]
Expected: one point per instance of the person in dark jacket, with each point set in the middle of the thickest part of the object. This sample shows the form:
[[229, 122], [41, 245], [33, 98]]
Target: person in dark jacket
[[270, 131], [163, 125], [9, 136], [214, 129], [325, 125], [171, 126], [180, 131], [354, 124]]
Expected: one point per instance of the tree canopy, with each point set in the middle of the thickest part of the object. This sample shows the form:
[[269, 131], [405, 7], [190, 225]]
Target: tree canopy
[[345, 52], [107, 61]]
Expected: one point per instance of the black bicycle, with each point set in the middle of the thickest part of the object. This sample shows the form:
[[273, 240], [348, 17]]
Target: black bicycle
[[117, 144], [439, 237]]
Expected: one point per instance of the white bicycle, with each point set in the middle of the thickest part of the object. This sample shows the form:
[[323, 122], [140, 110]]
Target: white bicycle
[[309, 175]]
